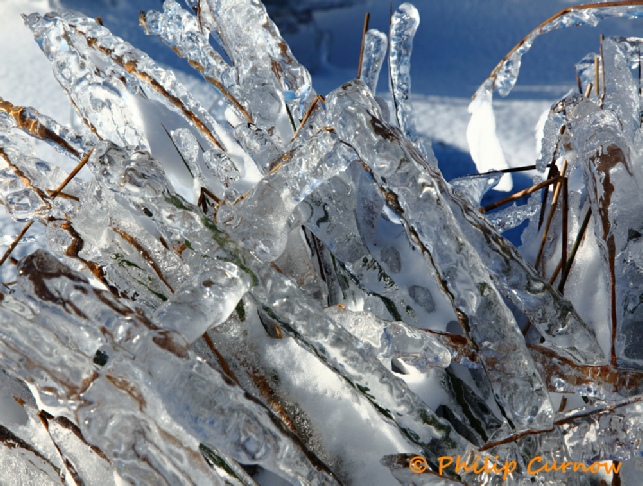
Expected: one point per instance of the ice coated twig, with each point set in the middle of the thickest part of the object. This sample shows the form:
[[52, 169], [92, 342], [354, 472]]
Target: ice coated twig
[[116, 389], [53, 195], [362, 45], [44, 128], [552, 211], [404, 24], [505, 74], [519, 194], [84, 35]]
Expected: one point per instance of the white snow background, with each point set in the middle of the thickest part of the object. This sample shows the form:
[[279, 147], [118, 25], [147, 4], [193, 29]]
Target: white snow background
[[458, 44]]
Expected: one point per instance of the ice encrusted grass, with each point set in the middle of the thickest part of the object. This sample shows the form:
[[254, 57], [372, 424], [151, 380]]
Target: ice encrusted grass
[[290, 291]]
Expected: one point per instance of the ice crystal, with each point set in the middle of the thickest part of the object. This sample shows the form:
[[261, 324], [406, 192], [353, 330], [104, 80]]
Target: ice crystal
[[296, 293]]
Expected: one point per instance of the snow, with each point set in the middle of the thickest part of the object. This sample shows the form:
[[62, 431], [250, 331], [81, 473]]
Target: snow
[[25, 74], [484, 145]]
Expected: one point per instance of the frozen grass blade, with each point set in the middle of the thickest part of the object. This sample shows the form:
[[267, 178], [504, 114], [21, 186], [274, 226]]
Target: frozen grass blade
[[552, 211], [504, 75], [519, 194], [53, 195], [579, 238]]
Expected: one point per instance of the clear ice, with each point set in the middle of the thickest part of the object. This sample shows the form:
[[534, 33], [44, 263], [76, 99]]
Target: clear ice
[[290, 291]]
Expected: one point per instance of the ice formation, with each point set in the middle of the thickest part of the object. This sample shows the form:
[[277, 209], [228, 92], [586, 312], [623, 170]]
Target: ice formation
[[296, 294]]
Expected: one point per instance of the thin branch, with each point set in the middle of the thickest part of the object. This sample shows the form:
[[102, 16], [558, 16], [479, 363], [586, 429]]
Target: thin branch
[[553, 171], [557, 270], [602, 99], [596, 86], [563, 421], [564, 228], [71, 175], [522, 168]]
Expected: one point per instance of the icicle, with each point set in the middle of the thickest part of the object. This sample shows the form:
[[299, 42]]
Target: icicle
[[375, 46], [404, 24]]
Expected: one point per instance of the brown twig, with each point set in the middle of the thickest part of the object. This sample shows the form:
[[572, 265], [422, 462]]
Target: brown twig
[[309, 112], [222, 361], [602, 98], [72, 174], [519, 194], [15, 242], [557, 270], [639, 70], [596, 86], [550, 218], [553, 171], [572, 255], [565, 215]]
